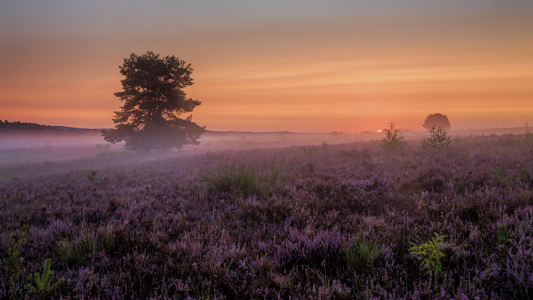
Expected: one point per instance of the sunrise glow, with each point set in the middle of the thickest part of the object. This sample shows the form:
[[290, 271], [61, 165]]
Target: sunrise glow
[[228, 149], [350, 67]]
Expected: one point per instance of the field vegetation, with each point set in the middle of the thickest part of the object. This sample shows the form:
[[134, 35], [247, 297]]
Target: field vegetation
[[345, 221]]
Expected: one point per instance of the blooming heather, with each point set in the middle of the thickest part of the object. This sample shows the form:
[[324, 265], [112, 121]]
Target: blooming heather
[[158, 231]]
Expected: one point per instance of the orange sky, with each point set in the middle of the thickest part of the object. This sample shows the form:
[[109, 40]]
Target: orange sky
[[334, 67]]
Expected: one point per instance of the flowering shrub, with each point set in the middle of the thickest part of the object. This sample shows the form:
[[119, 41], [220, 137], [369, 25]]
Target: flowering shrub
[[157, 231]]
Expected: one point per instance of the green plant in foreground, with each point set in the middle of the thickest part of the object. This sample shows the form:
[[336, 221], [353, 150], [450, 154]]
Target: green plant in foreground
[[69, 253], [228, 177], [361, 255], [528, 136], [502, 176], [524, 172], [85, 246], [310, 150], [501, 234], [44, 285], [92, 175], [14, 267], [430, 253], [248, 180], [203, 291]]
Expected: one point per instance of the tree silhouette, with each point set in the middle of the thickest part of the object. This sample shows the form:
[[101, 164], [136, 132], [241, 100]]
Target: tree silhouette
[[153, 103], [438, 139], [394, 139], [437, 120]]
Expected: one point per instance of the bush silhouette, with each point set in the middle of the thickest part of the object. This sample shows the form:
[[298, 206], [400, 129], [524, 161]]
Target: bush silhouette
[[438, 139], [394, 139]]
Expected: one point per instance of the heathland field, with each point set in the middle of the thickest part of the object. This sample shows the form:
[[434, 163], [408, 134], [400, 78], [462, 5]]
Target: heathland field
[[346, 221]]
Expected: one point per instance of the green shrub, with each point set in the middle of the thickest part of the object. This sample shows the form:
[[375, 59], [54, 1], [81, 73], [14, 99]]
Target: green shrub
[[229, 177], [87, 245], [69, 252], [15, 266], [430, 253], [44, 282], [501, 233], [500, 172], [393, 139], [502, 176], [309, 150], [105, 240], [528, 137], [438, 139], [271, 175], [361, 254], [203, 291], [524, 173], [92, 175], [248, 180]]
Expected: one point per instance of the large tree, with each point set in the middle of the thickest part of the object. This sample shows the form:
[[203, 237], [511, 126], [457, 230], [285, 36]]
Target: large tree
[[154, 102], [437, 120]]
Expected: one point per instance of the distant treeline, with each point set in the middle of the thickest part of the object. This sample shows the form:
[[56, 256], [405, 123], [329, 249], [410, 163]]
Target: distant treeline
[[17, 126], [24, 127], [489, 131]]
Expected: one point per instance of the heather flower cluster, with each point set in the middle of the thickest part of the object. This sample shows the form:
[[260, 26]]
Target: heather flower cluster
[[281, 224]]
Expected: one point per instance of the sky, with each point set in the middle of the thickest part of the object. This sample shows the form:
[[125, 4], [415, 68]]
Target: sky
[[295, 65]]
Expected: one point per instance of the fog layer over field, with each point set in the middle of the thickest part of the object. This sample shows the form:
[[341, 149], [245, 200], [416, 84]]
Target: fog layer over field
[[26, 154], [43, 140]]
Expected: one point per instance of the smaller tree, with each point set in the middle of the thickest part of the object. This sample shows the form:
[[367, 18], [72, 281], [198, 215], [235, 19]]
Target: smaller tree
[[437, 120], [438, 139], [394, 139]]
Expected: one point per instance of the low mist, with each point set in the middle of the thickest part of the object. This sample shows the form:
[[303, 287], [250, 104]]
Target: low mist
[[34, 154]]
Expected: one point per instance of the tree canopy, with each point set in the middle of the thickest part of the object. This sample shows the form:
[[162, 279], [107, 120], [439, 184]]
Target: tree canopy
[[154, 102], [437, 120]]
